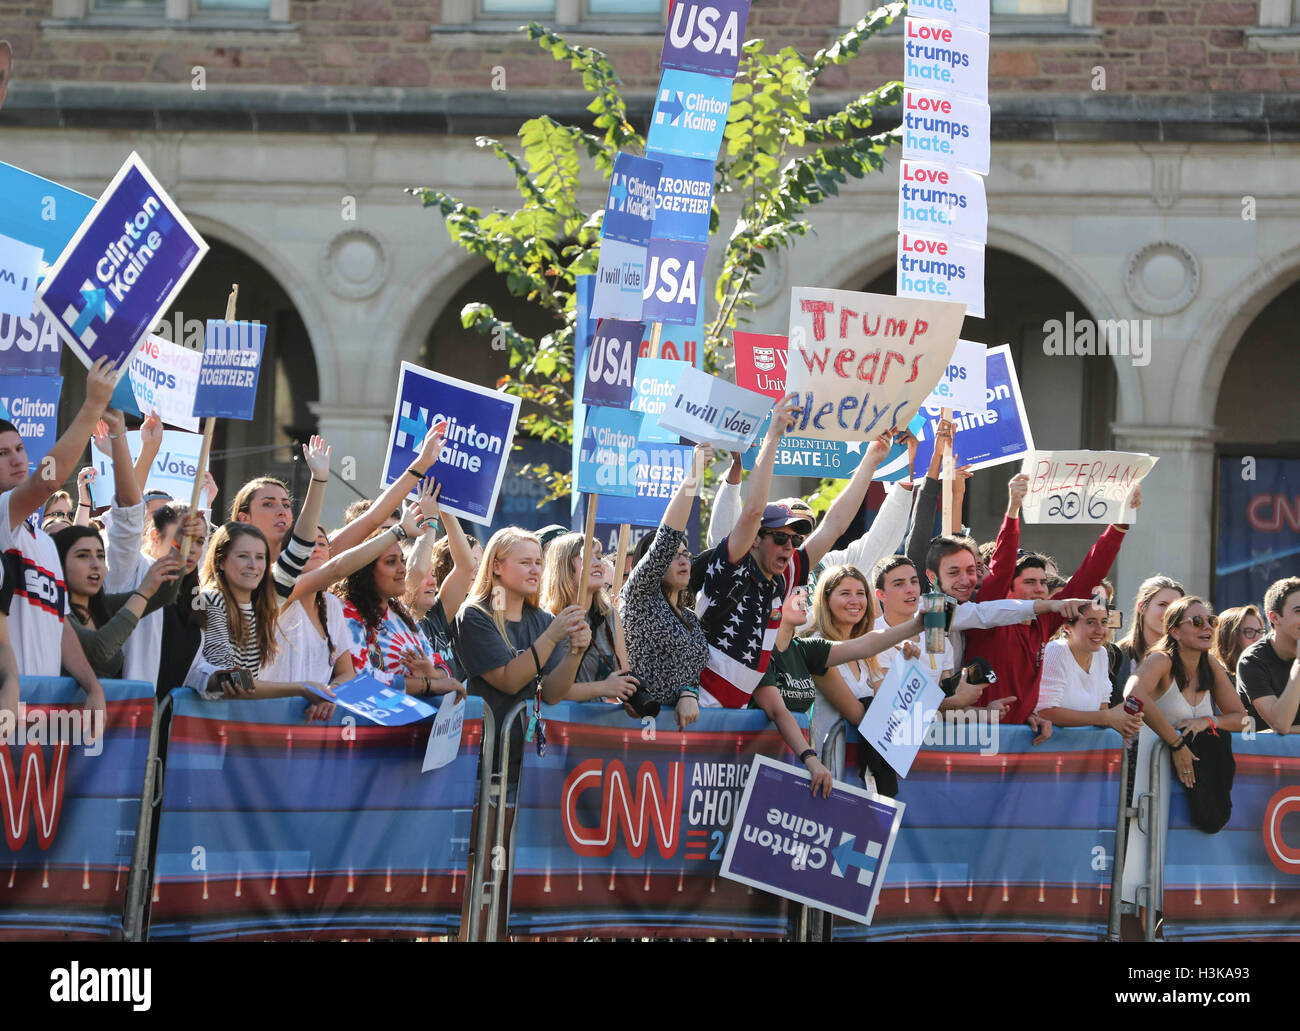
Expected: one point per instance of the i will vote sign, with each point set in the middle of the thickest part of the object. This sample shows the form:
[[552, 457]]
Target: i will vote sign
[[690, 114], [863, 363], [901, 713], [29, 346], [619, 281], [709, 410], [705, 36], [674, 279], [607, 459], [611, 363], [684, 198], [172, 470], [946, 58], [232, 359], [630, 206], [1082, 486], [121, 269], [20, 267], [480, 433], [829, 853], [950, 201], [946, 130]]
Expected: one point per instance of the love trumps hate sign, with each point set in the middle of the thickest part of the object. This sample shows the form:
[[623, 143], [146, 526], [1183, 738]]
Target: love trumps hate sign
[[861, 363]]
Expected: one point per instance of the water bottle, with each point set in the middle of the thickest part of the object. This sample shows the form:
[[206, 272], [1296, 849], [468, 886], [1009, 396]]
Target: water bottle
[[934, 621]]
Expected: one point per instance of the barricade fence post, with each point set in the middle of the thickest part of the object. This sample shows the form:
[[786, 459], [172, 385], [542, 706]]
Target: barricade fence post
[[487, 752], [142, 852], [496, 862], [834, 749], [1117, 863], [1157, 819]]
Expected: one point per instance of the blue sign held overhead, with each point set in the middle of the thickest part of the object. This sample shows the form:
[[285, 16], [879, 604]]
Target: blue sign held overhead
[[40, 212], [122, 269], [674, 281], [706, 36], [684, 200], [29, 347], [31, 403], [476, 448], [232, 359], [828, 853], [690, 115], [607, 459], [611, 363], [630, 207]]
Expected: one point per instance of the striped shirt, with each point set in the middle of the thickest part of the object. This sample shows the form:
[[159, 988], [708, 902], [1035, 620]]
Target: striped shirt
[[218, 648], [288, 567]]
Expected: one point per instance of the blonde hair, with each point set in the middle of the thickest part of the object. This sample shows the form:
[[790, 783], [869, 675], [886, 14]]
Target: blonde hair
[[501, 545], [1135, 642], [823, 625], [560, 585]]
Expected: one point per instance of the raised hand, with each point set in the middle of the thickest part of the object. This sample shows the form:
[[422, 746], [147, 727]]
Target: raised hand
[[431, 447], [783, 415], [427, 500], [151, 431], [114, 422], [100, 380], [317, 456]]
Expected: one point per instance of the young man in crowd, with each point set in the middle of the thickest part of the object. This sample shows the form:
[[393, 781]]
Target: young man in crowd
[[43, 641], [1268, 672], [1015, 652]]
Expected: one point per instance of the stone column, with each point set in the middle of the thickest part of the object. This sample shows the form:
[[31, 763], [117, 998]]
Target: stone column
[[1174, 531]]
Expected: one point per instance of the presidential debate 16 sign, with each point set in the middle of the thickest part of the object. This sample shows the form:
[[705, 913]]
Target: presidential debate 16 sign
[[829, 853], [121, 269], [480, 434]]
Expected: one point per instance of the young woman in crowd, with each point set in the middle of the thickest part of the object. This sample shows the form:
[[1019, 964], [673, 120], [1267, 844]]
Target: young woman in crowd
[[506, 642], [1238, 629], [265, 503], [605, 670], [1180, 684], [665, 642], [438, 575], [103, 621], [1075, 688], [182, 621], [1154, 596], [842, 610], [240, 619]]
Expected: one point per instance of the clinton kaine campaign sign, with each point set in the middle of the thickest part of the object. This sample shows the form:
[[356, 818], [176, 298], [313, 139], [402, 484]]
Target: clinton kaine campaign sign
[[123, 267], [480, 432], [690, 115]]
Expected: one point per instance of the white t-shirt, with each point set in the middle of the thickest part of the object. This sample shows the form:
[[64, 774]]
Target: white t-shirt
[[40, 600], [939, 664], [127, 568], [1065, 685], [303, 654]]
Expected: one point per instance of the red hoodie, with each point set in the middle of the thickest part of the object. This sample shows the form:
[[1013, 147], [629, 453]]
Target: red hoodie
[[1016, 652]]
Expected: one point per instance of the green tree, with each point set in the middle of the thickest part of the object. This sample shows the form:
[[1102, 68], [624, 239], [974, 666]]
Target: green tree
[[778, 160]]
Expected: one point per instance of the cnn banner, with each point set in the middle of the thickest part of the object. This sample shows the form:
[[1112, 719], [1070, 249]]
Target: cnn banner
[[621, 826], [1244, 881], [69, 803], [271, 828], [1001, 840]]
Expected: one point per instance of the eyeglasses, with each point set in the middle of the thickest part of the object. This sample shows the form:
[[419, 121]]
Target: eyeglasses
[[684, 553], [1200, 621], [1250, 633], [781, 539]]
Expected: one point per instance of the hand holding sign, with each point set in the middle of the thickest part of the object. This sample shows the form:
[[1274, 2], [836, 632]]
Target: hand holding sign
[[1084, 486]]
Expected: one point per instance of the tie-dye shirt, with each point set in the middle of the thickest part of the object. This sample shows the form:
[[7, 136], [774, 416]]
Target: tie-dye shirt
[[379, 652]]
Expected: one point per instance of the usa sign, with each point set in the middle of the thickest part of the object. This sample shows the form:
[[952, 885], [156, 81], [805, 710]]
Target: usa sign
[[674, 280], [611, 363], [706, 36], [621, 832]]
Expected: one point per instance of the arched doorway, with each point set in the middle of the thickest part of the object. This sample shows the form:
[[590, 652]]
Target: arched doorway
[[1257, 526]]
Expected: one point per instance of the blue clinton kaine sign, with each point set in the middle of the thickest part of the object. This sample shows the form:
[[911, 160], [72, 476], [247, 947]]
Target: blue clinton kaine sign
[[122, 268], [690, 115], [630, 208]]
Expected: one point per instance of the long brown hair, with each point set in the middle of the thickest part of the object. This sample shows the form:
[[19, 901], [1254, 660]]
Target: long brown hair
[[359, 588], [823, 623], [266, 606], [561, 587], [1135, 642], [243, 503], [1226, 649], [1175, 614]]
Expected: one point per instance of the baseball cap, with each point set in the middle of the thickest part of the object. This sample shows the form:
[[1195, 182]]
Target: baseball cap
[[780, 517]]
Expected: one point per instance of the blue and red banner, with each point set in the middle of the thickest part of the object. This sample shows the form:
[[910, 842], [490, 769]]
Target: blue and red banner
[[1258, 527], [1002, 840], [274, 828], [621, 826], [69, 811], [1244, 881]]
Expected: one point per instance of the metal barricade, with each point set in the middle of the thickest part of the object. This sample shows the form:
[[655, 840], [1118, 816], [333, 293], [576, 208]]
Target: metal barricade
[[486, 751], [142, 854], [1156, 821], [497, 861]]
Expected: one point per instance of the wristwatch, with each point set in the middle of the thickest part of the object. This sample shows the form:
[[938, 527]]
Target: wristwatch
[[399, 533]]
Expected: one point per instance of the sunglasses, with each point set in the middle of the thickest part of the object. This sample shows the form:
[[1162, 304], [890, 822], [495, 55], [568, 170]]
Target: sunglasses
[[1200, 621], [781, 539]]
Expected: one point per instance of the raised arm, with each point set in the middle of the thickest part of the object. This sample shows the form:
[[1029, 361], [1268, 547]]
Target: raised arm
[[745, 532], [417, 566], [151, 435], [873, 642], [454, 588], [126, 492], [373, 518], [726, 504], [57, 464], [342, 566], [678, 511], [846, 506], [1278, 711]]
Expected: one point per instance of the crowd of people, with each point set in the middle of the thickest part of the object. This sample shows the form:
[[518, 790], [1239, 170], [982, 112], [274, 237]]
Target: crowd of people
[[770, 615]]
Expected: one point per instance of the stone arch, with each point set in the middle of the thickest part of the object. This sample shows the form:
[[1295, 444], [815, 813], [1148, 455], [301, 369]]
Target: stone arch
[[417, 313]]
